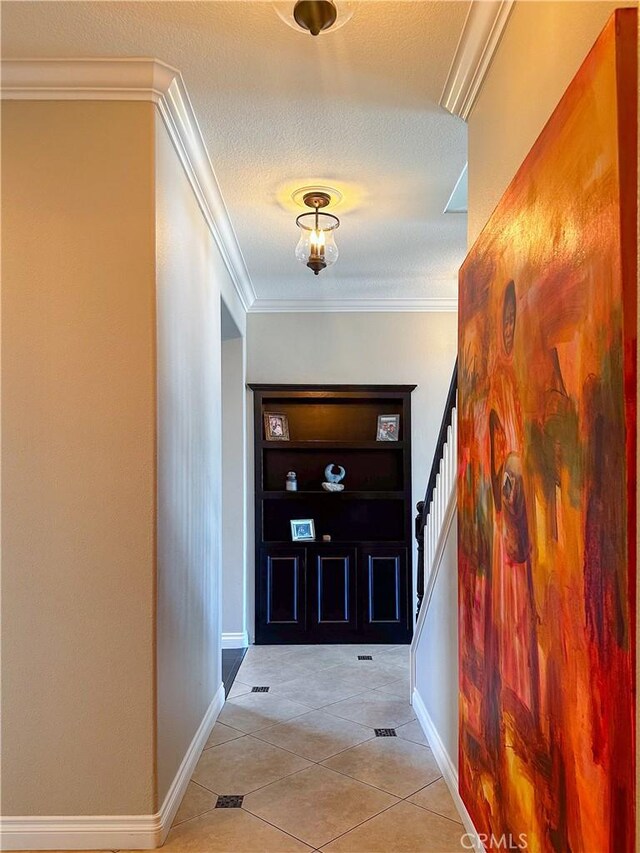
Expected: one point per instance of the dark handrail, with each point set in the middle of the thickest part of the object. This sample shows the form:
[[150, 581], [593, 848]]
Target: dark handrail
[[423, 507], [442, 438]]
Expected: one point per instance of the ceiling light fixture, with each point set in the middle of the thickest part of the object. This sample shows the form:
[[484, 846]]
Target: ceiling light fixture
[[315, 15], [316, 248]]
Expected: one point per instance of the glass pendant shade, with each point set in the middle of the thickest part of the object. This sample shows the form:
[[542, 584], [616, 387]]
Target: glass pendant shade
[[317, 248]]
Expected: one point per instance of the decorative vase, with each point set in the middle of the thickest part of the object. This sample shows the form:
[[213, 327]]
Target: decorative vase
[[291, 484]]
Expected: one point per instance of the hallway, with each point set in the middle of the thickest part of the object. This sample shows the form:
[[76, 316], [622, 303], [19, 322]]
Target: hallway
[[304, 758]]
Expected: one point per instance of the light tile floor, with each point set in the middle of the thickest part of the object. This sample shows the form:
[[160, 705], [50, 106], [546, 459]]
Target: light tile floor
[[313, 774]]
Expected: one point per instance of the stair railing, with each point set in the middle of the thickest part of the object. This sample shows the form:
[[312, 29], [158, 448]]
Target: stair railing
[[434, 514]]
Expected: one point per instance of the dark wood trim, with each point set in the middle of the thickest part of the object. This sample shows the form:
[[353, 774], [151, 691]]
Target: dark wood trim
[[331, 445], [271, 510], [337, 496], [327, 390], [449, 406]]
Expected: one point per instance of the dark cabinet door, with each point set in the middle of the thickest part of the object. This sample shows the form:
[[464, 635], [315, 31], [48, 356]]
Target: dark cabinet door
[[282, 611], [384, 583], [332, 594]]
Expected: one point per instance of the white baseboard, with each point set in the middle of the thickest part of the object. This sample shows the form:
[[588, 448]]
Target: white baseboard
[[447, 768], [181, 780], [111, 832], [235, 640], [93, 832]]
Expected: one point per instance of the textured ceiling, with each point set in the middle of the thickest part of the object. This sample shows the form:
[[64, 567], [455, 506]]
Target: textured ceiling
[[355, 109]]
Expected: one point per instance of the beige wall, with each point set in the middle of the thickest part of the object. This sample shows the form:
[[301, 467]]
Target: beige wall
[[437, 671], [111, 414], [543, 46], [78, 453], [362, 348], [233, 486], [189, 276]]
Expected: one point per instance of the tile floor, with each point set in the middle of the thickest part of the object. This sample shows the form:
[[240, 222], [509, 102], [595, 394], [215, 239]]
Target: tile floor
[[306, 760], [306, 763]]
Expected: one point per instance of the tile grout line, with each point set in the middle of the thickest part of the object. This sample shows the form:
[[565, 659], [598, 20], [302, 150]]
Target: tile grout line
[[257, 817], [290, 834], [312, 762], [264, 820], [319, 763], [426, 808], [260, 787], [439, 814], [343, 833], [371, 785], [204, 787], [377, 814], [300, 702], [310, 709]]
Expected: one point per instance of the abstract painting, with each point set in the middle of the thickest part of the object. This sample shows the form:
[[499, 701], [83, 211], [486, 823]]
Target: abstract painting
[[546, 486]]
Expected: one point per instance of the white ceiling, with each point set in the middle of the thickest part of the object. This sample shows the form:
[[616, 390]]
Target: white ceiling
[[356, 109]]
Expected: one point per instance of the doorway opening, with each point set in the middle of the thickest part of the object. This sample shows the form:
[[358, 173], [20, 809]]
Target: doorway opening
[[233, 587]]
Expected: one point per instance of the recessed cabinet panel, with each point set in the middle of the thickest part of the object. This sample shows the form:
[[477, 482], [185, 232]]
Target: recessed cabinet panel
[[333, 599], [385, 595], [282, 609], [283, 583], [384, 589], [334, 587]]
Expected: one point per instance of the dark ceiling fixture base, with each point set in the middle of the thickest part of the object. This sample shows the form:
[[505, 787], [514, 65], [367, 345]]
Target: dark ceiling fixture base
[[316, 199], [317, 265], [315, 15]]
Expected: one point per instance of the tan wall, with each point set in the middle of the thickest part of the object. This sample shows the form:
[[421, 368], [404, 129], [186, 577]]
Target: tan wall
[[543, 46], [190, 273], [78, 453], [234, 485]]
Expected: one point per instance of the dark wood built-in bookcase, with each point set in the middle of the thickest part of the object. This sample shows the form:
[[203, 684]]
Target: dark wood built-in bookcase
[[357, 587]]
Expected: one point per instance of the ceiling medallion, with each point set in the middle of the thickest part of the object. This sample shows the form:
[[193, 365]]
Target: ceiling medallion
[[298, 195], [315, 16], [317, 248]]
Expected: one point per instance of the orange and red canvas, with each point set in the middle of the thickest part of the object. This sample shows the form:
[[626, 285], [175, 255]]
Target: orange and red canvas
[[546, 494]]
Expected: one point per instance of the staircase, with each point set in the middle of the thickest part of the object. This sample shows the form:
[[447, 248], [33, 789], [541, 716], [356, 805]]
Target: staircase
[[434, 650], [435, 513]]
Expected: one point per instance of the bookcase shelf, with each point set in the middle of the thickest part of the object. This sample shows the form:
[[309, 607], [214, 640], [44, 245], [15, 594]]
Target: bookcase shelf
[[355, 587], [332, 445], [332, 496]]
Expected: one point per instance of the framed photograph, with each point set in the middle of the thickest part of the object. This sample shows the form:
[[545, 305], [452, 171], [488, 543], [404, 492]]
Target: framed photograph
[[388, 427], [303, 530], [276, 426]]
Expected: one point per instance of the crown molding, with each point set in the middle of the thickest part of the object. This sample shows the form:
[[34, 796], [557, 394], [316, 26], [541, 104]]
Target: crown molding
[[139, 79], [479, 40], [364, 305]]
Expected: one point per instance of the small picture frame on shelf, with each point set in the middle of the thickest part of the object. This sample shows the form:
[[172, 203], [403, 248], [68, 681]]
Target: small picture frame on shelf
[[303, 530], [276, 426], [388, 428]]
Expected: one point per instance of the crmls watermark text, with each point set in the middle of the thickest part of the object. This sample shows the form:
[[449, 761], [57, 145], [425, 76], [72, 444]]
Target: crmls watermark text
[[495, 842]]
